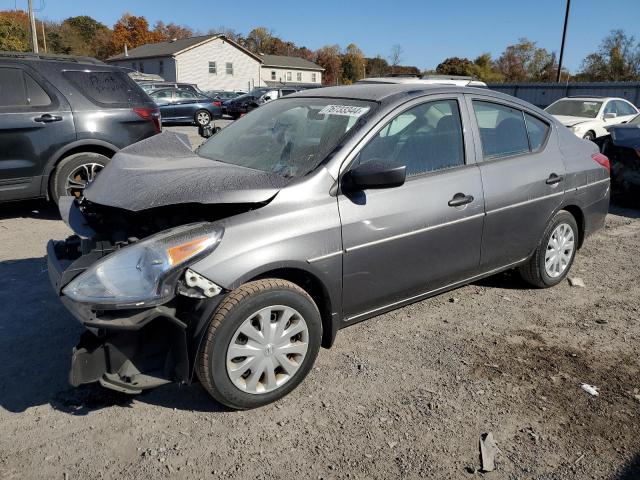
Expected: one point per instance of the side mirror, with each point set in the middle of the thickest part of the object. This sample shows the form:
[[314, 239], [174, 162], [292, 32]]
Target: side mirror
[[206, 131], [375, 174], [609, 116]]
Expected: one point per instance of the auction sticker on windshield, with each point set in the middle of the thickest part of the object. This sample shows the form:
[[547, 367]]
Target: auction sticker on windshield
[[345, 110]]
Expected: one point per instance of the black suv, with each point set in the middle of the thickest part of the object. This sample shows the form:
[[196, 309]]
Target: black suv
[[61, 119]]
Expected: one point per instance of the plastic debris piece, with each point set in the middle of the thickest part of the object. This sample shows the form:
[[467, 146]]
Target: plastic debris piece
[[590, 389], [488, 450], [576, 282]]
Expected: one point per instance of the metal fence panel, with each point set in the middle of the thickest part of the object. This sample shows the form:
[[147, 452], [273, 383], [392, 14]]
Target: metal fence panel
[[544, 94]]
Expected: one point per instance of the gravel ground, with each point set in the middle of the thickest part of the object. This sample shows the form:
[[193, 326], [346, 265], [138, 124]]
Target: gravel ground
[[406, 394]]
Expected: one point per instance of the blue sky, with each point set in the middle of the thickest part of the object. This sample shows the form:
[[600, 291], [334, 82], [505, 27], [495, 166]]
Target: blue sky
[[428, 30]]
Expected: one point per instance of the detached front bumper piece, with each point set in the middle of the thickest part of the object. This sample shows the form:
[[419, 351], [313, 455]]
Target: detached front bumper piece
[[125, 350]]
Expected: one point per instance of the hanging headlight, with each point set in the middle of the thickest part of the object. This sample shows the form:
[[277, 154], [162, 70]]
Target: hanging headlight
[[141, 274]]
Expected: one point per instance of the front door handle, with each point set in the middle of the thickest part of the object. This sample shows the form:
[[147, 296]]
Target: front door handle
[[554, 179], [460, 199], [47, 118]]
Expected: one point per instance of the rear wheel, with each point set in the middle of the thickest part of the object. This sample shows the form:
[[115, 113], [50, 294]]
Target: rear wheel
[[261, 343], [554, 255], [73, 174], [590, 135], [202, 117]]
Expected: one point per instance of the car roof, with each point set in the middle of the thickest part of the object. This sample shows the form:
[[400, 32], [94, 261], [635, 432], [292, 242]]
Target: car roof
[[379, 92], [591, 97], [439, 80]]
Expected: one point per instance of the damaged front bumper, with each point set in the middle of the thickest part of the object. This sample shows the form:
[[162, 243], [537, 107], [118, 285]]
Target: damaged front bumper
[[128, 350]]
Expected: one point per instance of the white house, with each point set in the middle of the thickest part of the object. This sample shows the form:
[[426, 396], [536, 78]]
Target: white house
[[278, 70], [213, 62]]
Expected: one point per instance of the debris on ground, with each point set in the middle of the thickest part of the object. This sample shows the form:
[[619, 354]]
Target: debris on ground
[[590, 389], [488, 451], [576, 282]]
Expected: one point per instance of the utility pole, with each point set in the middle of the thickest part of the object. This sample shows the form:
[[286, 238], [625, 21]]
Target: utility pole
[[32, 22], [44, 38], [564, 36]]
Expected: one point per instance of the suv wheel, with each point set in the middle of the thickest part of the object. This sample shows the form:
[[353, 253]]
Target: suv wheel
[[261, 343], [74, 173], [202, 117], [552, 260]]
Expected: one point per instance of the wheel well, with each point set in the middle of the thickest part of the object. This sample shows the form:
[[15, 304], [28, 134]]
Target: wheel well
[[107, 152], [316, 290], [579, 216]]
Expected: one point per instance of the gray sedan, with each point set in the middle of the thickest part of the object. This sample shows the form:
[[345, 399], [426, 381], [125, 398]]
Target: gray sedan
[[236, 263]]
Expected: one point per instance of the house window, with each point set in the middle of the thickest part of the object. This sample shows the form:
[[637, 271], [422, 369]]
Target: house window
[[213, 69], [313, 77], [229, 68], [299, 76], [273, 74], [141, 67], [161, 67], [288, 76]]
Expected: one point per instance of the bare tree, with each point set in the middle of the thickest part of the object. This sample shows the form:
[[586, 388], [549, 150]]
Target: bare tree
[[396, 56]]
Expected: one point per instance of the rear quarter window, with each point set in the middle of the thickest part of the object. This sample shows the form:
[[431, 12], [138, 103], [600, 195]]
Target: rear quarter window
[[538, 131], [107, 89]]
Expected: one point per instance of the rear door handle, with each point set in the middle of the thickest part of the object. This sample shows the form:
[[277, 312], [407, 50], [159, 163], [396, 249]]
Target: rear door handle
[[460, 199], [553, 179], [48, 118]]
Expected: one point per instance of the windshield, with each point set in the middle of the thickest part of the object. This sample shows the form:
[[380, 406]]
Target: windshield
[[575, 108], [289, 137]]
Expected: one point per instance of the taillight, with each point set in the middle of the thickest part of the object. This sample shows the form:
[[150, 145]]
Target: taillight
[[152, 115], [217, 103], [602, 160]]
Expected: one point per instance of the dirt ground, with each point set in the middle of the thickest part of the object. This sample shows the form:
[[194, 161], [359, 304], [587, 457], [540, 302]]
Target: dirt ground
[[406, 394]]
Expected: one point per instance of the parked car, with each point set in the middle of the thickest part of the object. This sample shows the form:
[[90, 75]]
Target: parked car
[[587, 117], [459, 80], [243, 104], [151, 86], [177, 105], [623, 150], [312, 213], [61, 119]]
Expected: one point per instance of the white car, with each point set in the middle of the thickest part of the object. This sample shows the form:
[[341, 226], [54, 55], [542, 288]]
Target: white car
[[587, 117]]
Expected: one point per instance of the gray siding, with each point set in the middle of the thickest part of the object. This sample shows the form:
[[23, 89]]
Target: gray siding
[[281, 75]]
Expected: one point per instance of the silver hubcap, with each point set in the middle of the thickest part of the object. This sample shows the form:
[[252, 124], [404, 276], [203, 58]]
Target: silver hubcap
[[267, 349], [203, 118], [559, 250], [79, 178]]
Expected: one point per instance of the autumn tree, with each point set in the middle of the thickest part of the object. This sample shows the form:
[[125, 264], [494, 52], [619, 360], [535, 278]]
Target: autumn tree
[[14, 31], [352, 64], [377, 67], [456, 66], [617, 59], [485, 69], [131, 31], [259, 40], [170, 31], [524, 61], [80, 35], [328, 57]]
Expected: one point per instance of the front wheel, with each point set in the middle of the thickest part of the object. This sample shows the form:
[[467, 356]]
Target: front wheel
[[554, 255], [260, 344], [202, 117], [591, 136]]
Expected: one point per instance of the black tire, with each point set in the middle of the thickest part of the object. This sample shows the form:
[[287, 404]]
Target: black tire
[[590, 135], [201, 121], [237, 307], [534, 272], [73, 163]]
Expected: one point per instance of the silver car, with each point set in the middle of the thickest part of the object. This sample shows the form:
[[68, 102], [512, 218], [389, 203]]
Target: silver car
[[235, 263]]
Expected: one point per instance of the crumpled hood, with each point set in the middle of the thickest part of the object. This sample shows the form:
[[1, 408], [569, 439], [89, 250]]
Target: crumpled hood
[[569, 121], [163, 170]]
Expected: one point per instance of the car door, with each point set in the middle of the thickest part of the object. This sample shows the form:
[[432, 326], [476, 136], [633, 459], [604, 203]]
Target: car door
[[35, 122], [522, 176], [185, 104], [164, 100], [402, 242]]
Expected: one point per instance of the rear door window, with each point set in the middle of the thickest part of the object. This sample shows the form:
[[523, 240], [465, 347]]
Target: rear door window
[[624, 108], [502, 129], [107, 89], [537, 130], [36, 96], [19, 89]]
